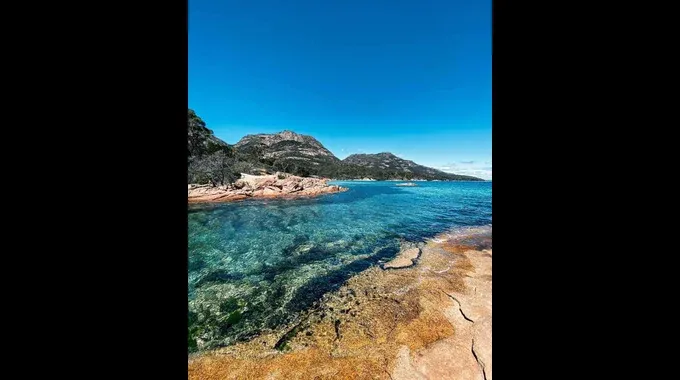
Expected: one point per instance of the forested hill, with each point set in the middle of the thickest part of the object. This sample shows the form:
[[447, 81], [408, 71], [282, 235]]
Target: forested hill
[[389, 163], [201, 140], [210, 159]]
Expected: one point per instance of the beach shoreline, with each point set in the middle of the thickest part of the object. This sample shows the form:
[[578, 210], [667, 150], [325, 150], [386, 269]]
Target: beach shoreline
[[276, 186], [426, 314]]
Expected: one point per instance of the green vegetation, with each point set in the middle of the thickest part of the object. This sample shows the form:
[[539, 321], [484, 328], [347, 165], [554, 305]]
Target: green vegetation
[[211, 160], [282, 344]]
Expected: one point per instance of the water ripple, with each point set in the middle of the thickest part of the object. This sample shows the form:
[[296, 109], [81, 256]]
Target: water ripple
[[255, 265]]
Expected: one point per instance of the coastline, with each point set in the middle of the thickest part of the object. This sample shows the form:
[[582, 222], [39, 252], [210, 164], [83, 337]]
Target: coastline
[[419, 181], [426, 314], [269, 186]]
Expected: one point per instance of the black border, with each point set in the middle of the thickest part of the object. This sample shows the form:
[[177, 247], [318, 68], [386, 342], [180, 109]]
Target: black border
[[547, 208], [122, 310], [126, 306]]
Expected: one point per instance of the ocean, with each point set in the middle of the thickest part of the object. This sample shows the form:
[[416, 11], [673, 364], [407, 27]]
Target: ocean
[[254, 266]]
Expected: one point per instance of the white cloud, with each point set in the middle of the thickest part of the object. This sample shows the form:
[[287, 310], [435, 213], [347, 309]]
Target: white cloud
[[477, 169]]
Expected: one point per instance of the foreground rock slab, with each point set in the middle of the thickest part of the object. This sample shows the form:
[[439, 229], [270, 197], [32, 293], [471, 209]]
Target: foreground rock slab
[[430, 320], [268, 186]]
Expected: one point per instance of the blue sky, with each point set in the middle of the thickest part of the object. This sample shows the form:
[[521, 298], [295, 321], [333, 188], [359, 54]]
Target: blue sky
[[409, 77]]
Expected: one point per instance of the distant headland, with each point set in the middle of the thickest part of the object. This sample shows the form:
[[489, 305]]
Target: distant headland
[[216, 163]]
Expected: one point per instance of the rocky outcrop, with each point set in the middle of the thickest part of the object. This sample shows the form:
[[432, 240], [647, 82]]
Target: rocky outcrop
[[267, 186], [431, 321]]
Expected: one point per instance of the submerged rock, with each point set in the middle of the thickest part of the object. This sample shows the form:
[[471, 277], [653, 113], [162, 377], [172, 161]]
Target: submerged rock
[[404, 259]]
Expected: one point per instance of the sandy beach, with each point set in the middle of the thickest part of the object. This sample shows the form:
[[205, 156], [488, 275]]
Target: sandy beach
[[424, 315]]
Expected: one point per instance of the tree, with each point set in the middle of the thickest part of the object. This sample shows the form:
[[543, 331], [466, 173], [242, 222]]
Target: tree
[[301, 171], [196, 131], [221, 164], [215, 168], [200, 140], [282, 165], [243, 167]]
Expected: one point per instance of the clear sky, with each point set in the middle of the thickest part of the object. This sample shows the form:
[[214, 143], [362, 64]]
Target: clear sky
[[410, 77]]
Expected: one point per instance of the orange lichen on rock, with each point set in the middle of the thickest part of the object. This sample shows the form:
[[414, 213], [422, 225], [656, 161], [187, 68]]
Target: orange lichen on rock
[[382, 324]]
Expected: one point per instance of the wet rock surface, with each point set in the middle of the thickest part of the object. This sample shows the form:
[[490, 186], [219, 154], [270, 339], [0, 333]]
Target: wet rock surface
[[431, 320], [405, 259]]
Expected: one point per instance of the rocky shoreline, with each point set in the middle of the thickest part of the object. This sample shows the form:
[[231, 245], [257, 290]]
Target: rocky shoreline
[[426, 314], [277, 185]]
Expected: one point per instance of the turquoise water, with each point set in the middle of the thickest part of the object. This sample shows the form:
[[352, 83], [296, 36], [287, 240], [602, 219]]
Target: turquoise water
[[254, 265]]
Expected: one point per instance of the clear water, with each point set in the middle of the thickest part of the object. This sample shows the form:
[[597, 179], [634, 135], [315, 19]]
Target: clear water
[[254, 265]]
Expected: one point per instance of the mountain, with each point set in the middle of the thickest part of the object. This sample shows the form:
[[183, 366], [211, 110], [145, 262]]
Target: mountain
[[287, 151], [396, 167], [386, 161], [304, 155], [211, 159], [286, 145]]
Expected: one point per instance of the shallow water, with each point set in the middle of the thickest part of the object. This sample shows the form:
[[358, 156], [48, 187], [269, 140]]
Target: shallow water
[[254, 265]]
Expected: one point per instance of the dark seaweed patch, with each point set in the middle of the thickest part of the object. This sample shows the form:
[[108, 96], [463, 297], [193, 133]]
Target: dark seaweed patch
[[282, 344], [267, 308], [220, 275], [196, 263], [313, 290]]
